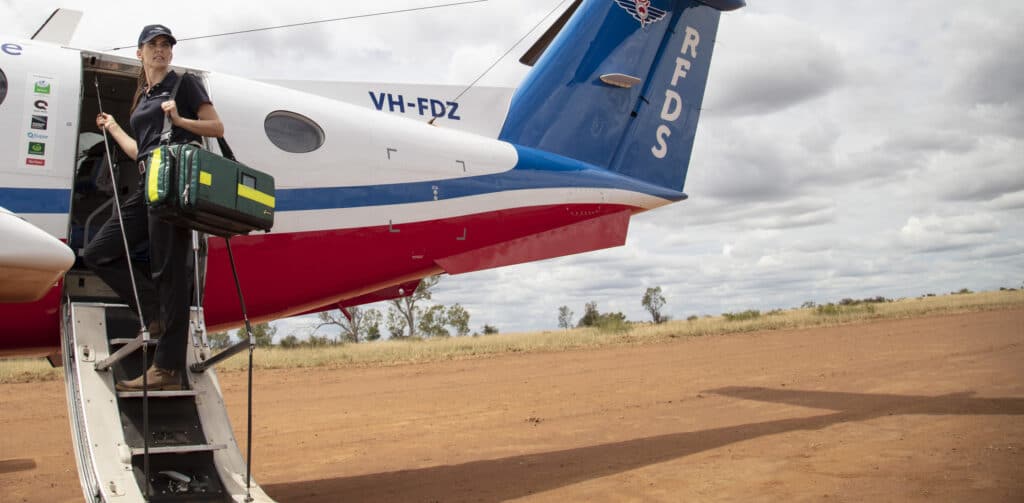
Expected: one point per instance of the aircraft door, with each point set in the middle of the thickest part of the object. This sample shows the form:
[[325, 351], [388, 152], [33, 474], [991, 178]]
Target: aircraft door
[[39, 118]]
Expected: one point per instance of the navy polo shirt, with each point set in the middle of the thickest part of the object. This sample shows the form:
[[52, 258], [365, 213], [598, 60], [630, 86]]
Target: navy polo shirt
[[148, 119]]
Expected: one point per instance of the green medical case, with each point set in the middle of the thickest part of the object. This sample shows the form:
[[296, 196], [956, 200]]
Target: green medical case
[[201, 190]]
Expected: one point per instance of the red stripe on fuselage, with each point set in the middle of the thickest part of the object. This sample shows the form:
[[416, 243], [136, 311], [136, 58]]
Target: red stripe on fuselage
[[284, 274]]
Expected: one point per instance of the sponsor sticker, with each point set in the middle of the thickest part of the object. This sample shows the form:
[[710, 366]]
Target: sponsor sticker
[[41, 105], [42, 87], [40, 122], [36, 148], [35, 162]]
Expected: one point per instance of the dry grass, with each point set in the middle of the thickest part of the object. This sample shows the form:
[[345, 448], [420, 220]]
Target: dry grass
[[24, 370], [418, 351]]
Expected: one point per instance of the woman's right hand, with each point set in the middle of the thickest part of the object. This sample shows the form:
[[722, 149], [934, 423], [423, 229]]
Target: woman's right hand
[[106, 121]]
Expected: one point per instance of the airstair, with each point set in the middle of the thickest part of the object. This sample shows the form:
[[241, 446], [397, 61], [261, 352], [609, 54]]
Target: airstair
[[190, 452]]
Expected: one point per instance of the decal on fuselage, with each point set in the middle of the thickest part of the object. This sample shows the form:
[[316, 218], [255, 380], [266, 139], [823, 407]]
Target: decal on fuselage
[[426, 107], [11, 49], [642, 11], [36, 133]]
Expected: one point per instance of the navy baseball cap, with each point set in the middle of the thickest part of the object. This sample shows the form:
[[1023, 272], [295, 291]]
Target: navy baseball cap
[[155, 30]]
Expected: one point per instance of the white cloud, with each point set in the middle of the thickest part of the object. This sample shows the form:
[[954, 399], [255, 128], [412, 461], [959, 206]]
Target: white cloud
[[934, 233]]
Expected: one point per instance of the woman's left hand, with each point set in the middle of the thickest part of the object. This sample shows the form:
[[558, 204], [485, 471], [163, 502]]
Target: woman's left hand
[[171, 109]]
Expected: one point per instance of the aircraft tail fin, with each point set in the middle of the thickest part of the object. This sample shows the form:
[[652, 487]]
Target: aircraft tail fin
[[621, 86]]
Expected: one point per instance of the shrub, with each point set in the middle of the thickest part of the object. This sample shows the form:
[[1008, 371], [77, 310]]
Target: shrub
[[750, 314], [692, 317], [612, 322], [829, 309]]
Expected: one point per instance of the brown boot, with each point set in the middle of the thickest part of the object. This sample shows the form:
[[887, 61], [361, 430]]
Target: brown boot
[[159, 380]]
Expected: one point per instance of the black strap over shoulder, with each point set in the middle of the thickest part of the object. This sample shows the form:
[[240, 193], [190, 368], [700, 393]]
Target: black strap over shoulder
[[225, 150], [165, 135]]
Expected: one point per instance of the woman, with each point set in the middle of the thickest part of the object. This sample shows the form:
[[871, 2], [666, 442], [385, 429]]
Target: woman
[[164, 286]]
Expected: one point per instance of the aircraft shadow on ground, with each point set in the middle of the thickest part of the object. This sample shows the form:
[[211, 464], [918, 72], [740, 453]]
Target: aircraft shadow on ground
[[518, 476], [16, 465]]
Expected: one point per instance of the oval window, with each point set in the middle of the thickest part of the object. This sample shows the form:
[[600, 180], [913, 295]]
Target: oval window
[[3, 87], [292, 132]]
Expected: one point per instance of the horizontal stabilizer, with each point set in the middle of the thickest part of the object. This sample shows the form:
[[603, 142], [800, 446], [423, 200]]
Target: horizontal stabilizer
[[594, 234], [31, 260]]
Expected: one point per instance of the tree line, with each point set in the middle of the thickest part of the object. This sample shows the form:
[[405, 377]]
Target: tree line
[[653, 301], [404, 318]]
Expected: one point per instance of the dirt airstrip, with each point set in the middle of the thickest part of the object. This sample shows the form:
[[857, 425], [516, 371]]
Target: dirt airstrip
[[928, 409]]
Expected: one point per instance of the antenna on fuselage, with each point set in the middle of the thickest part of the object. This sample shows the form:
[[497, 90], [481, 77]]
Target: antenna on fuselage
[[319, 21], [557, 27]]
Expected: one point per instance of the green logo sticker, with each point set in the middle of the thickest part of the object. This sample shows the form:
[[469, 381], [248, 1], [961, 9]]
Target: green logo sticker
[[42, 87], [36, 148]]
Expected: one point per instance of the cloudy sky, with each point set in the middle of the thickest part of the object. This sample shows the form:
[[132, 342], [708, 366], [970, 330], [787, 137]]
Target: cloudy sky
[[845, 150]]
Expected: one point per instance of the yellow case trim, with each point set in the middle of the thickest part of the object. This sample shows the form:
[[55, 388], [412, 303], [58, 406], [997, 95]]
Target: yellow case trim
[[205, 178], [255, 195], [154, 175]]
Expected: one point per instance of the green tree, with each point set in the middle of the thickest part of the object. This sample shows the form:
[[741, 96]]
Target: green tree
[[219, 340], [354, 322], [432, 322], [565, 317], [395, 323], [653, 302], [263, 332], [490, 330], [404, 311], [372, 324], [590, 315], [290, 342], [458, 319]]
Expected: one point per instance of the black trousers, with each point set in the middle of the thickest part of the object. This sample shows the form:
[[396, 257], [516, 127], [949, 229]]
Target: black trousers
[[164, 283]]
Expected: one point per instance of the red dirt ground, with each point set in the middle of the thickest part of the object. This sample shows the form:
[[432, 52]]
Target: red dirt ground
[[927, 409]]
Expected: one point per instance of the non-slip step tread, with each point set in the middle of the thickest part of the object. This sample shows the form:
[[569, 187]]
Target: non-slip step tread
[[179, 449], [158, 394]]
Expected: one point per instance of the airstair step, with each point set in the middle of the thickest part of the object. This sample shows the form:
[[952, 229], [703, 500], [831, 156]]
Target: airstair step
[[122, 342], [179, 449], [158, 394]]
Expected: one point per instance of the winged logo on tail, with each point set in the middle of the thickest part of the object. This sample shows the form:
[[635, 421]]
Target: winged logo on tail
[[642, 11]]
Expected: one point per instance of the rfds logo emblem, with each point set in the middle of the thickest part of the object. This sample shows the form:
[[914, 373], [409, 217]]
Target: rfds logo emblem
[[642, 11]]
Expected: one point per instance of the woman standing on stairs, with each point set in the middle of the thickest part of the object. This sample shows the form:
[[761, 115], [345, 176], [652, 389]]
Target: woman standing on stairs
[[165, 286]]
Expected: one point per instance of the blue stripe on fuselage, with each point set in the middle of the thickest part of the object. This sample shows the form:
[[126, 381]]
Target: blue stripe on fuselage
[[535, 170], [21, 200]]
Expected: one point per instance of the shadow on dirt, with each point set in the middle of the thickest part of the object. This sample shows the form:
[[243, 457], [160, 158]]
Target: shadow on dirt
[[518, 476], [16, 465]]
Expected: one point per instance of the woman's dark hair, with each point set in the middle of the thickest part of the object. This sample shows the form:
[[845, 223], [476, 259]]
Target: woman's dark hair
[[140, 87]]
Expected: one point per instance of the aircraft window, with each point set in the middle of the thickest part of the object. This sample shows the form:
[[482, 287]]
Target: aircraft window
[[292, 132], [3, 87]]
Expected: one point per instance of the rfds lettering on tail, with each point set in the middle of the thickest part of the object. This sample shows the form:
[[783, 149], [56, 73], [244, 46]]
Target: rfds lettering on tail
[[673, 106]]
